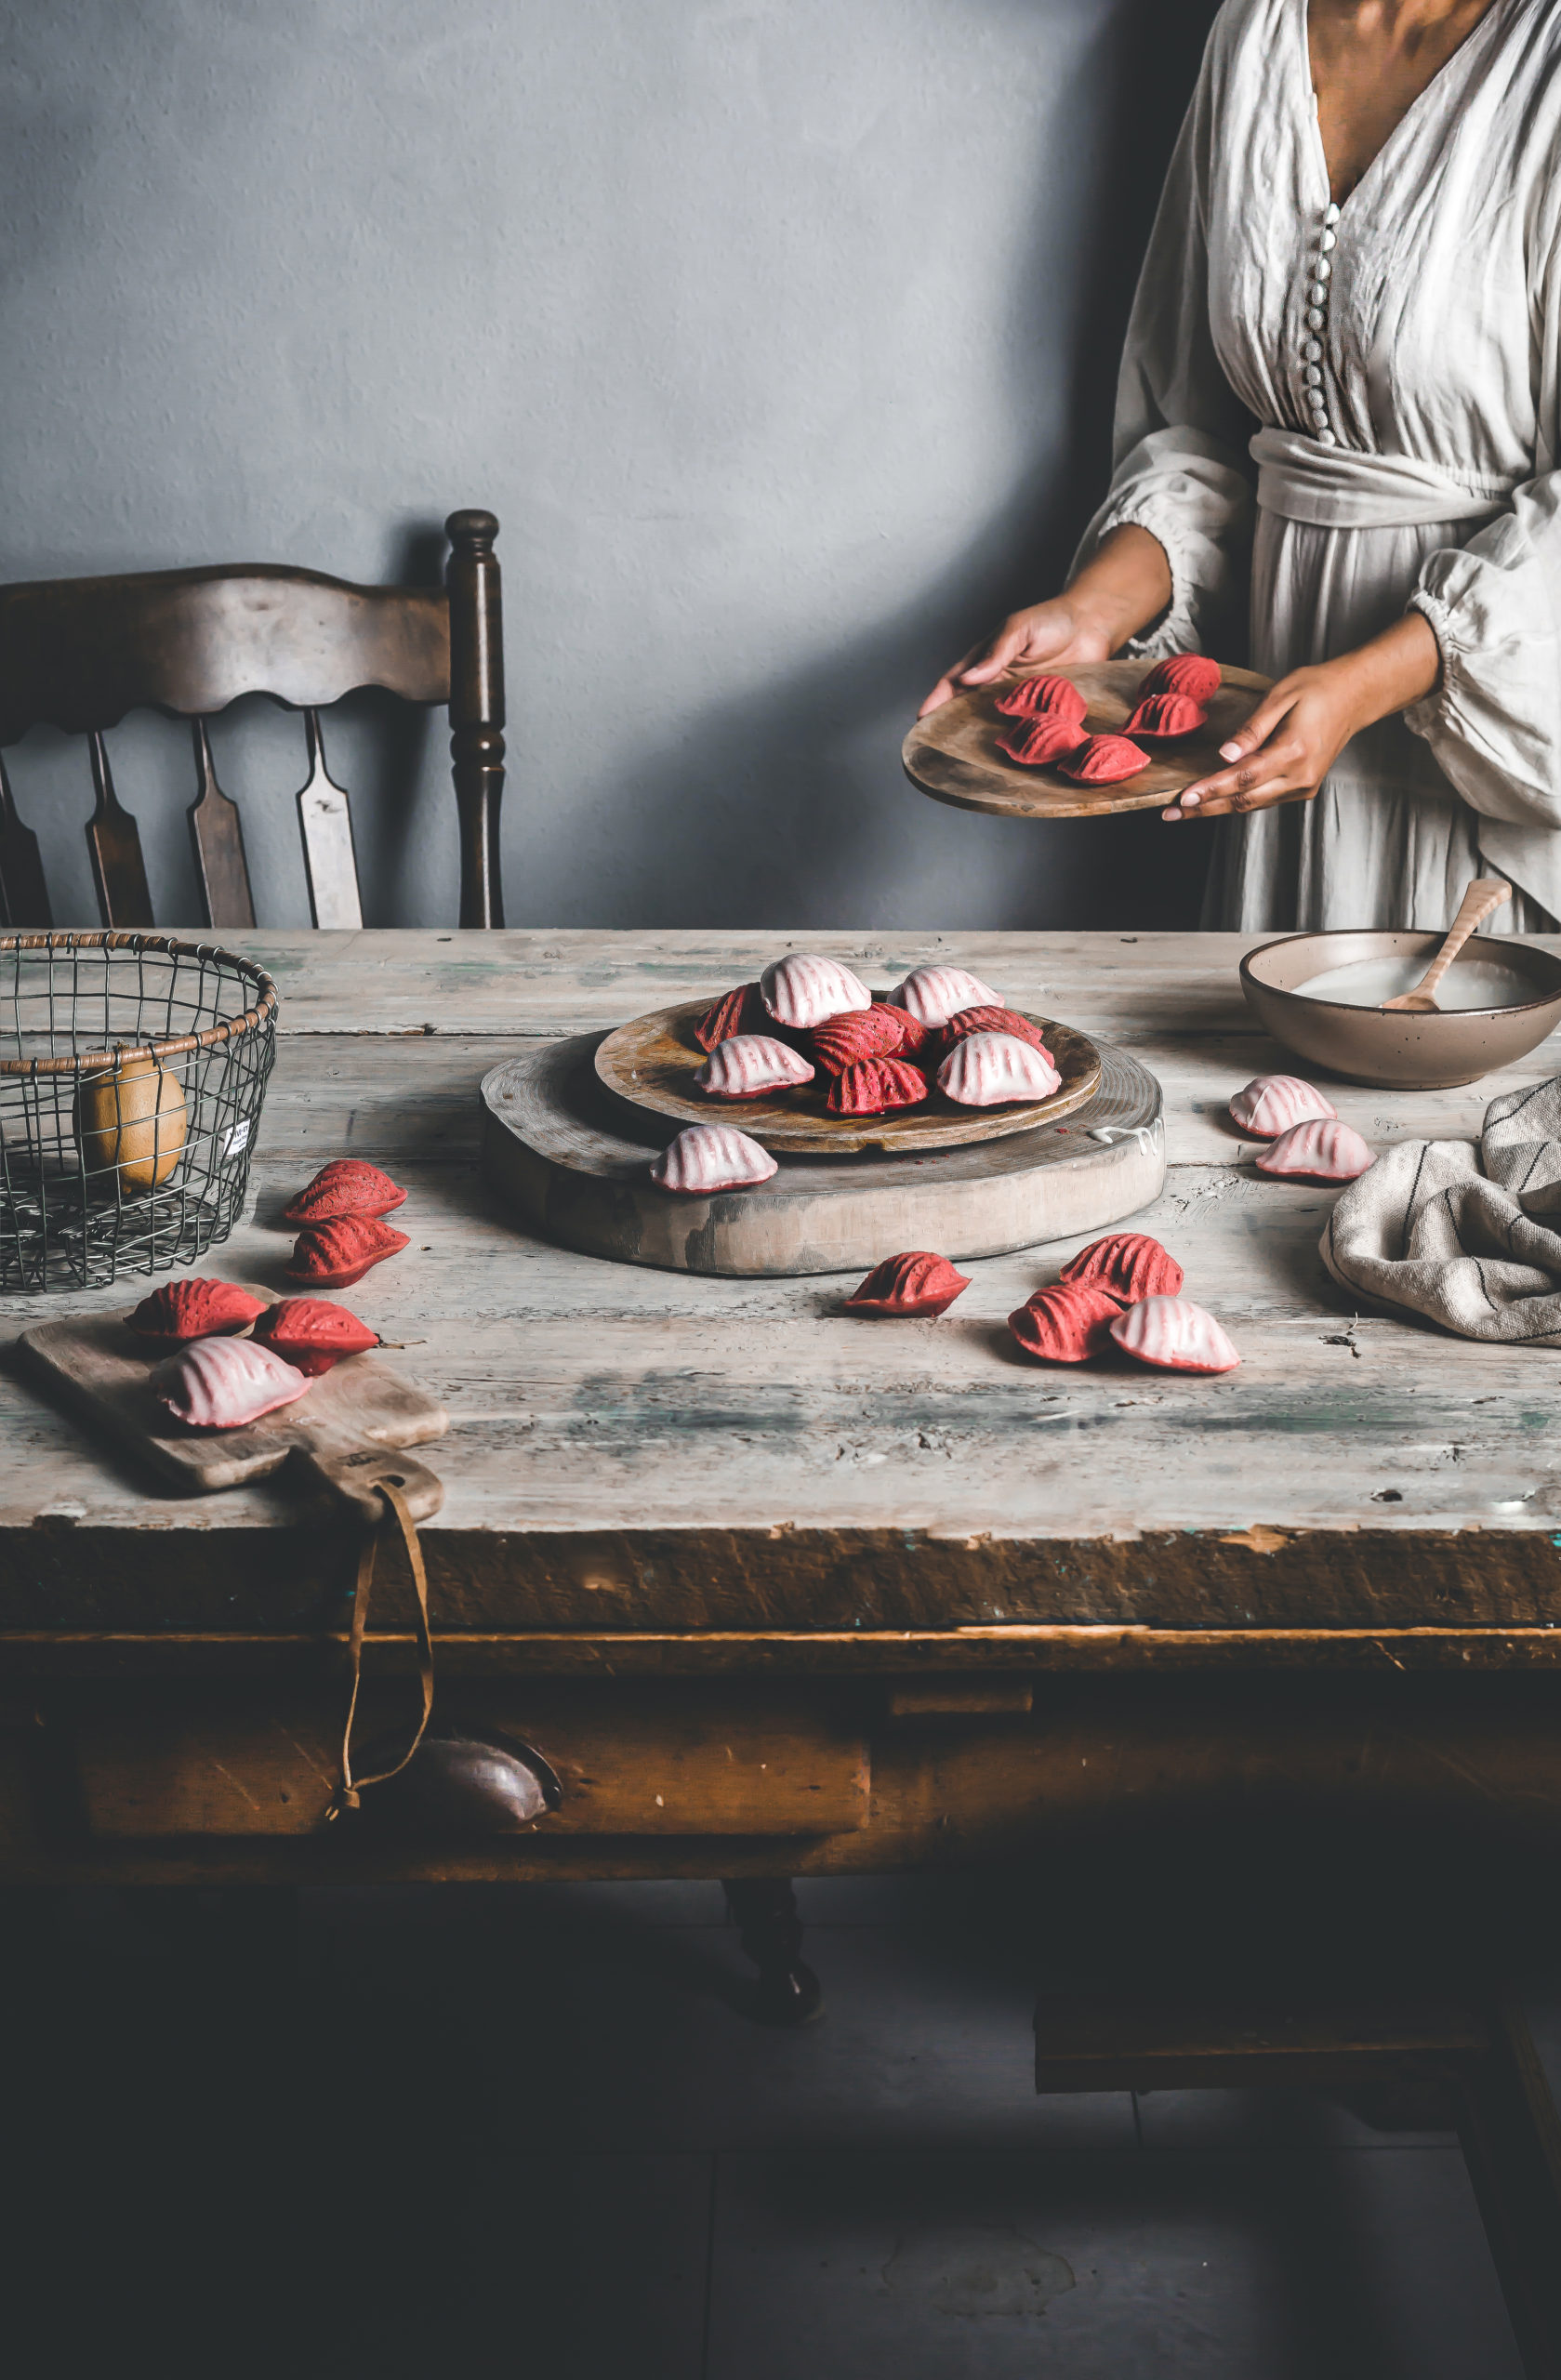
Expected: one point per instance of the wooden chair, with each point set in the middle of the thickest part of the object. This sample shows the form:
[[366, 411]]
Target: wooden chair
[[77, 654], [1472, 2057]]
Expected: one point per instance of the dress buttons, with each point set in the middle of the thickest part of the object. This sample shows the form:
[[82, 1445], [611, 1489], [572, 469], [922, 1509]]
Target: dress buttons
[[1317, 295], [1313, 318], [1325, 438], [1322, 269], [1312, 350], [1330, 216], [1326, 240], [1313, 375]]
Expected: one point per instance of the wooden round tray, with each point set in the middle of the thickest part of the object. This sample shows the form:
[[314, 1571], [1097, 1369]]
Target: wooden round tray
[[558, 1149], [651, 1062], [953, 754]]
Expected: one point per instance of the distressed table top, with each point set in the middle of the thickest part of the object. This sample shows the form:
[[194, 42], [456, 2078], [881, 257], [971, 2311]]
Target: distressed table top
[[645, 1451]]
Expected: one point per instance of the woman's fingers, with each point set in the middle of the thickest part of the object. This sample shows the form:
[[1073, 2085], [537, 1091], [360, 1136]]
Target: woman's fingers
[[999, 654], [1275, 707], [1278, 773]]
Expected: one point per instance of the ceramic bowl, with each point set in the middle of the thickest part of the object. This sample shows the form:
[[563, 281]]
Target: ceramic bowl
[[1395, 1049]]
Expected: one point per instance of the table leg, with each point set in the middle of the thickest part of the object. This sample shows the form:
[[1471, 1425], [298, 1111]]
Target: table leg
[[765, 1910], [1512, 2141]]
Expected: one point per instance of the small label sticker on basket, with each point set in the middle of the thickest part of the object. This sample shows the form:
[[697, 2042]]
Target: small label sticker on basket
[[236, 1137]]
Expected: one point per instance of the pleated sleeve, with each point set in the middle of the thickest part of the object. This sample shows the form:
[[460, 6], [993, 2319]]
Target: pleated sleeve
[[1179, 446]]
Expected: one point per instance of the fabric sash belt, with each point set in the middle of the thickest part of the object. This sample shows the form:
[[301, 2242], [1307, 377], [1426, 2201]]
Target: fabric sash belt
[[1334, 488]]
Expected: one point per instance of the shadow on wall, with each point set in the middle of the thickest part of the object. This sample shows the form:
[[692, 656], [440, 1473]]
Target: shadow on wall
[[762, 786]]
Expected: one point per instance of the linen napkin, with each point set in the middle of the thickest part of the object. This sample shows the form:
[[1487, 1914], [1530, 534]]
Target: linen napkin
[[1467, 1235]]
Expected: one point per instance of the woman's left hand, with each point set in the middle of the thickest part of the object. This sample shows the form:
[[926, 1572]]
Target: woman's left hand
[[1286, 749], [1303, 722]]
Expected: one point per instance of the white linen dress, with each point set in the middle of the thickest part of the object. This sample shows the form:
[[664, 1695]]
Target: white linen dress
[[1339, 413]]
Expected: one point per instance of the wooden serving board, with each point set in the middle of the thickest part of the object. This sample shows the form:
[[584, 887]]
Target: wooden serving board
[[953, 753], [574, 1164], [651, 1061], [344, 1432]]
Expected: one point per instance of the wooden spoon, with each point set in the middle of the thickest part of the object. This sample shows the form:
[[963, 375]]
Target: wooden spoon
[[1486, 892]]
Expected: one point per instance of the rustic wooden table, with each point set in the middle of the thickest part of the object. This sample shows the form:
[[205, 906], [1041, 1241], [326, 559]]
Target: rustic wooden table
[[777, 1590]]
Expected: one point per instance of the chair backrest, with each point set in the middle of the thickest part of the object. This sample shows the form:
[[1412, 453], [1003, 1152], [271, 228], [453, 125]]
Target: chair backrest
[[77, 654]]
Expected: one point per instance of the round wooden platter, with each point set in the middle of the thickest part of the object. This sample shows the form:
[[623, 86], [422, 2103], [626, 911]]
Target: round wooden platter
[[575, 1163], [953, 753], [651, 1062]]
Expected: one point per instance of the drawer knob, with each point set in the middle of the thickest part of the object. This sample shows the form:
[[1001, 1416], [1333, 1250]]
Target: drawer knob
[[463, 1784]]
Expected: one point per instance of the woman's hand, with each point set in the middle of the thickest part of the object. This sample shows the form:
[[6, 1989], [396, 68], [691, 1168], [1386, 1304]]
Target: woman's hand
[[1303, 722], [1052, 631], [1120, 589]]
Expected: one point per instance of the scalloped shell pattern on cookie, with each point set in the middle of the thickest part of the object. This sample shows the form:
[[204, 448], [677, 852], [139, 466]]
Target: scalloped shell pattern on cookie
[[1105, 759], [876, 1087], [193, 1309], [1320, 1150], [348, 1186], [916, 1282], [1174, 1335], [802, 990], [1193, 674], [991, 1069], [1043, 698], [223, 1384], [1036, 743], [749, 1064], [1066, 1324], [334, 1255], [992, 1020], [1128, 1265], [738, 1012], [1164, 715], [707, 1157], [311, 1334], [875, 1032], [1270, 1105], [932, 995]]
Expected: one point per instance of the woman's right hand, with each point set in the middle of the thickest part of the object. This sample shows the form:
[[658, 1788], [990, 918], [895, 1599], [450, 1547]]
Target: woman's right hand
[[1054, 631], [1123, 587]]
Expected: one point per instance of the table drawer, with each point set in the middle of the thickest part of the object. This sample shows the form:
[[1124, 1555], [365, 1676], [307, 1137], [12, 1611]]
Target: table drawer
[[632, 1761]]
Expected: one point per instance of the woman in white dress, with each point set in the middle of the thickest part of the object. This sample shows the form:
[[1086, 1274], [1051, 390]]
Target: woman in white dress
[[1340, 403]]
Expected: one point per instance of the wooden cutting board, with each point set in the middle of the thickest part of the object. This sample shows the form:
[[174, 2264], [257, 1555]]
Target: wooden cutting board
[[651, 1062], [562, 1152], [953, 753], [344, 1435]]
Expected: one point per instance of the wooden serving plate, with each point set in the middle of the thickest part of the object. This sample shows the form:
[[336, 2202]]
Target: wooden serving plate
[[953, 754], [574, 1164], [651, 1061]]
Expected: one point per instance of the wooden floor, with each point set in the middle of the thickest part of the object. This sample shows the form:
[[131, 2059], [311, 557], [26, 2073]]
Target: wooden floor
[[476, 2132]]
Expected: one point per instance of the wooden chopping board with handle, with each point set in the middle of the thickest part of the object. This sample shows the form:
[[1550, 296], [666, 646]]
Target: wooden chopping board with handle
[[349, 1432]]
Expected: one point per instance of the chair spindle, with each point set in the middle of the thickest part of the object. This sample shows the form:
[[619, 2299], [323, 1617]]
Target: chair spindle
[[23, 894], [326, 823], [217, 835], [118, 869], [476, 709]]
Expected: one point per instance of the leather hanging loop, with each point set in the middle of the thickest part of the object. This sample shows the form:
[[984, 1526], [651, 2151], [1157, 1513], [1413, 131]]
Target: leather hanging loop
[[396, 1511]]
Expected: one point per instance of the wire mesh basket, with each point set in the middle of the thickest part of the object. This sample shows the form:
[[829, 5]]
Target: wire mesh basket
[[132, 1072]]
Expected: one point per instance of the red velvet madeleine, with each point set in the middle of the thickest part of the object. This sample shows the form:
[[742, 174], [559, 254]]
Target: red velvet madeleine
[[735, 1013], [1066, 1324], [1044, 697], [1105, 759], [1193, 674], [875, 1032], [874, 1086], [917, 1282], [193, 1309], [1128, 1265], [348, 1186], [993, 1020], [311, 1334], [1164, 715], [335, 1254], [1038, 743]]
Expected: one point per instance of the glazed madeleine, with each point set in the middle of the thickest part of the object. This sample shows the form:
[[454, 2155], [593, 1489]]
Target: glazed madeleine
[[707, 1157], [223, 1384], [932, 995], [1320, 1150], [1272, 1103], [802, 990], [1174, 1335], [751, 1063], [991, 1069]]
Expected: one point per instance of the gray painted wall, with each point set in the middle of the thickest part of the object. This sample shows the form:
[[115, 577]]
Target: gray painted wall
[[780, 335]]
